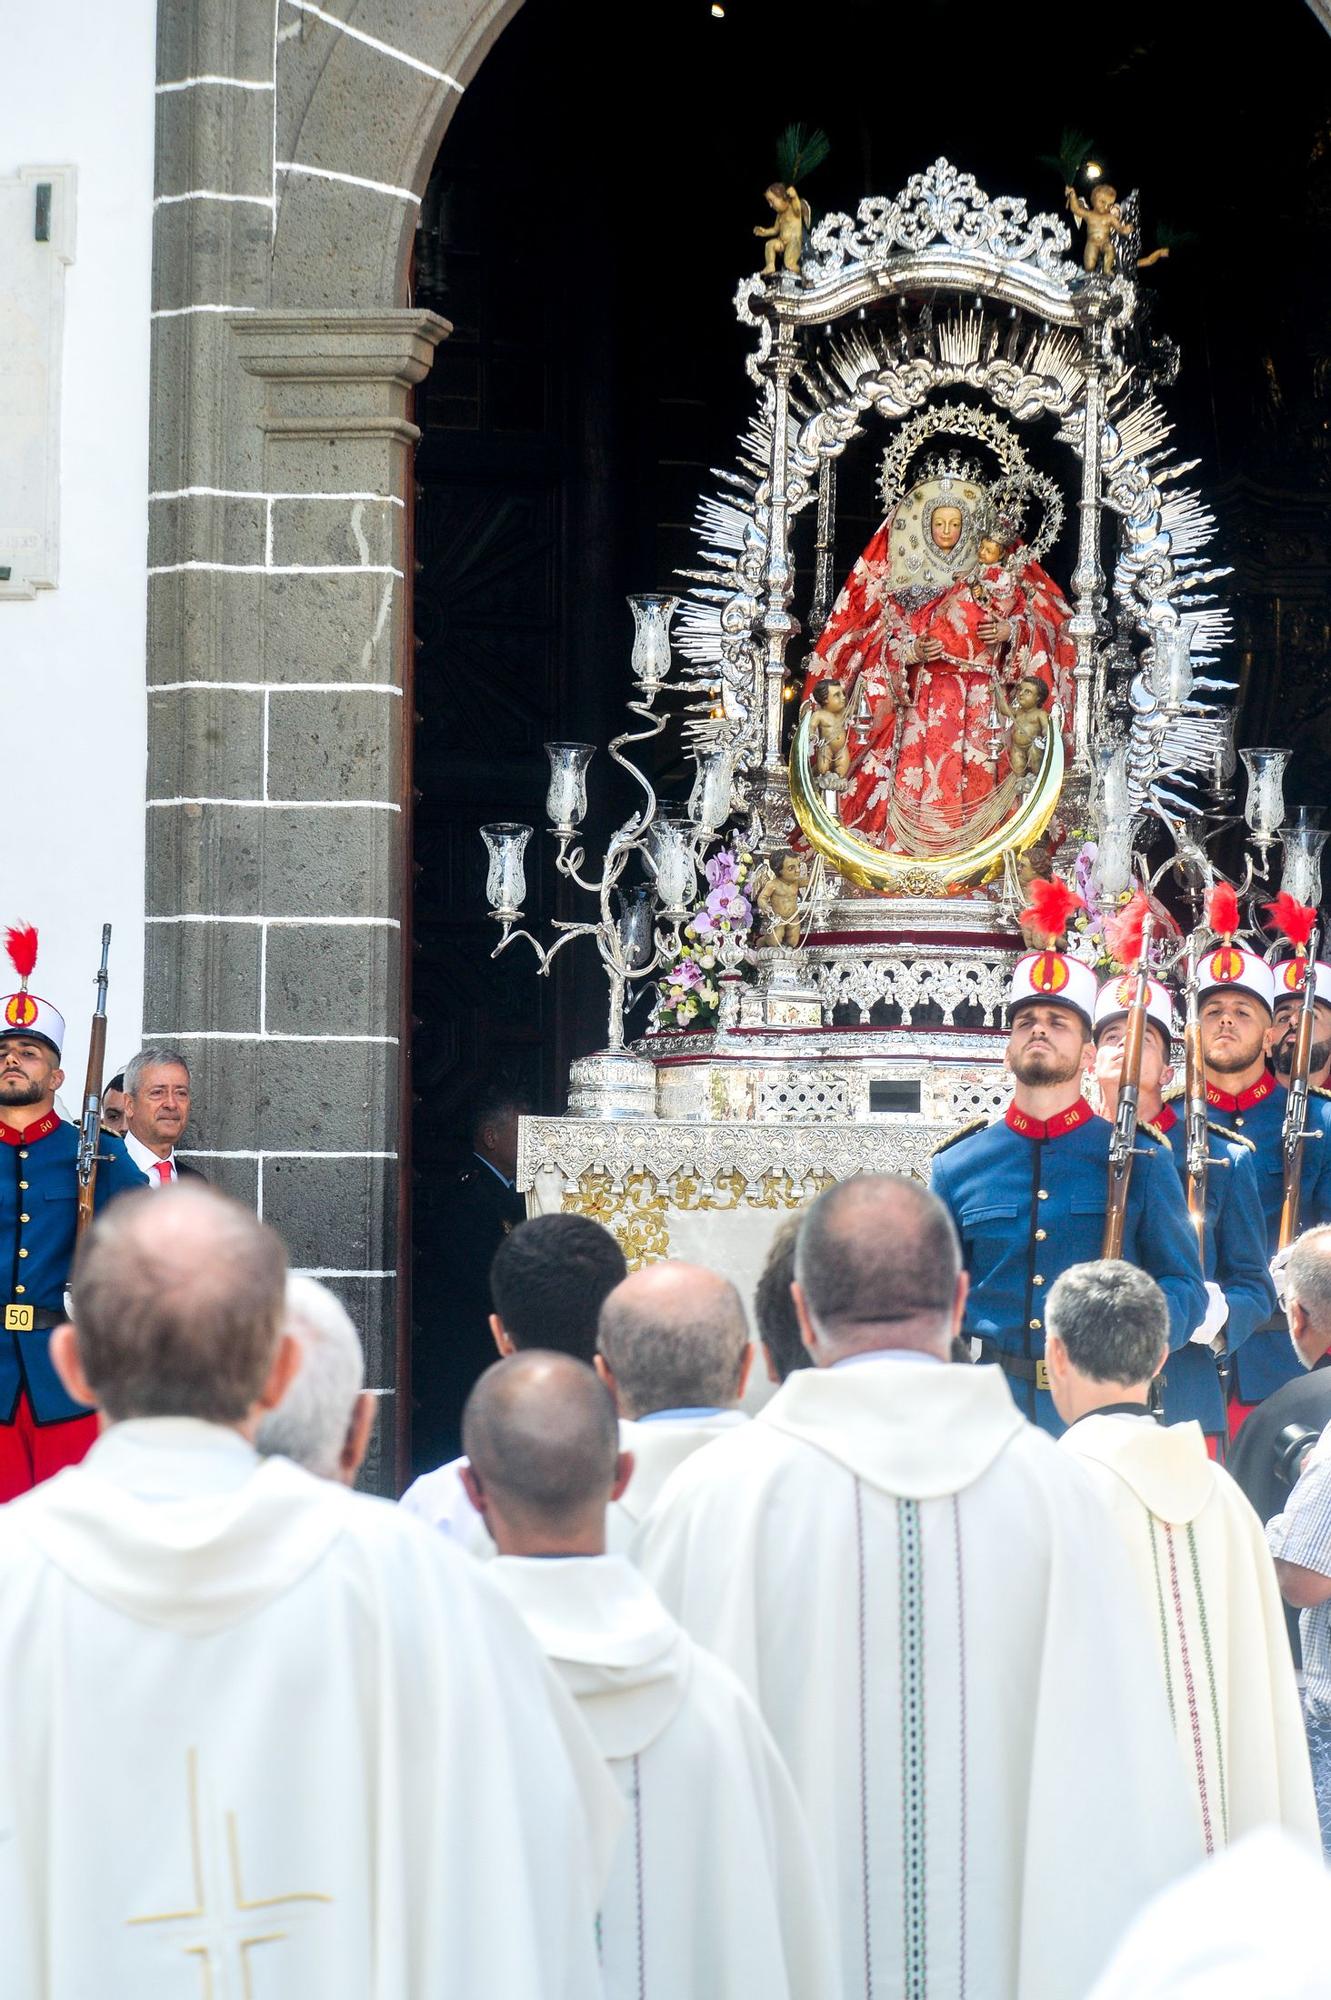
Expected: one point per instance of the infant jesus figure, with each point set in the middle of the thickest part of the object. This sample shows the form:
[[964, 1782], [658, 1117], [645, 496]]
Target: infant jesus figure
[[1030, 723], [994, 585]]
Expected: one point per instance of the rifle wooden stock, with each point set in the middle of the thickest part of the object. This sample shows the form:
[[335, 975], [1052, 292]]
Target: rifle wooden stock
[[1124, 1141], [90, 1128], [1198, 1148], [1293, 1136]]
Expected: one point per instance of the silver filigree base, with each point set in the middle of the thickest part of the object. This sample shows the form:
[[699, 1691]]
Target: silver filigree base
[[613, 1083]]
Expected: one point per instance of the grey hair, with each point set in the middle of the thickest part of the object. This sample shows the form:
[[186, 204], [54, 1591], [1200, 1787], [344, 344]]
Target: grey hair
[[1112, 1319], [177, 1301], [311, 1422], [877, 1250], [155, 1056], [674, 1354], [1308, 1276]]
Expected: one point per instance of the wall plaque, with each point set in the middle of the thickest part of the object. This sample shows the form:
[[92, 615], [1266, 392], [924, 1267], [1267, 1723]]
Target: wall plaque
[[36, 243]]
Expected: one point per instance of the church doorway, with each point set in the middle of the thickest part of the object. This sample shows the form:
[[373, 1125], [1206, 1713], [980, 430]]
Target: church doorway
[[585, 239]]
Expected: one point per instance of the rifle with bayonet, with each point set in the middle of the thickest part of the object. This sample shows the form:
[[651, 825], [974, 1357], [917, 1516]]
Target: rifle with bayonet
[[1197, 1150], [1295, 1130], [90, 1127], [1123, 1143]]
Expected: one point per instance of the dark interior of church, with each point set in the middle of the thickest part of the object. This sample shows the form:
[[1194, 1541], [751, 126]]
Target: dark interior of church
[[589, 216]]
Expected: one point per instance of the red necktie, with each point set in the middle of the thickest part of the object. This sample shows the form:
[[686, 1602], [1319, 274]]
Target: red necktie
[[163, 1171]]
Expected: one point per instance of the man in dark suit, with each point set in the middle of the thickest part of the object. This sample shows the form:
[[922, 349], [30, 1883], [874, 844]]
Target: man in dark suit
[[451, 1286], [157, 1108]]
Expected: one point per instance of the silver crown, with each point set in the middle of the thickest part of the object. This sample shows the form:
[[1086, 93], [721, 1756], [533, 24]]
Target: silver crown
[[951, 465]]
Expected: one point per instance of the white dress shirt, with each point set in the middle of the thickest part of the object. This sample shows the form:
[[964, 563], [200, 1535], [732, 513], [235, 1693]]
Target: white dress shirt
[[148, 1163]]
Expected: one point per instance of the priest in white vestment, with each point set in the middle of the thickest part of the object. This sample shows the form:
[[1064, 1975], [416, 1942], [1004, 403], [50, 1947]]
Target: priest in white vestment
[[548, 1280], [714, 1894], [263, 1736], [1198, 1552], [673, 1348], [938, 1624]]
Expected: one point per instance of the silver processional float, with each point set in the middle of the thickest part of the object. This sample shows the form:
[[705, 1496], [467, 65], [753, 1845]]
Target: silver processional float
[[827, 926]]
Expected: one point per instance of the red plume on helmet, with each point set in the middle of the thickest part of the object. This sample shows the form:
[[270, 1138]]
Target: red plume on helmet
[[1050, 909], [1292, 919], [1222, 910], [1123, 932], [21, 944]]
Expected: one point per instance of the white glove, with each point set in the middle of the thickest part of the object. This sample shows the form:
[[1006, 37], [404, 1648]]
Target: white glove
[[1279, 1265], [1217, 1312]]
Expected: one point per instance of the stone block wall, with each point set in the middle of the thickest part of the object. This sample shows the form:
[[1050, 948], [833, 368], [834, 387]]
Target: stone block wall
[[293, 143]]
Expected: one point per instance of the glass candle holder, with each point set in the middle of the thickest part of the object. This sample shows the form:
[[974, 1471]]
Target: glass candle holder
[[506, 880], [670, 844], [652, 613], [1171, 673], [709, 801], [1113, 803], [1111, 870], [1302, 875], [566, 800], [1264, 807], [635, 924]]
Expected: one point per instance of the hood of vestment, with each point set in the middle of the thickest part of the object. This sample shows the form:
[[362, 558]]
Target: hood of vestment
[[181, 1524], [914, 1430], [659, 1447], [609, 1637], [1165, 1465]]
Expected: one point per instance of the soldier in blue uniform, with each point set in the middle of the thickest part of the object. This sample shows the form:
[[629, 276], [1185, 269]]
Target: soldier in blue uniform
[[1235, 1009], [41, 1428], [1029, 1194], [1242, 1296]]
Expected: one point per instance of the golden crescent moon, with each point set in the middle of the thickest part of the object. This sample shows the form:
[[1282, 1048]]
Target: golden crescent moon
[[870, 867]]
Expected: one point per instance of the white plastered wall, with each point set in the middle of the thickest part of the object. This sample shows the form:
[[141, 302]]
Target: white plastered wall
[[77, 89]]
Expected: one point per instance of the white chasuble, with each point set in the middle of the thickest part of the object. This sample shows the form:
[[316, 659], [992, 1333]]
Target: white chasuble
[[933, 1613], [659, 1446], [714, 1894], [1208, 1588], [266, 1739]]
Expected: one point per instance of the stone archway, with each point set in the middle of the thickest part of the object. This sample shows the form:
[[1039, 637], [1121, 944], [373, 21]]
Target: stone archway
[[293, 143]]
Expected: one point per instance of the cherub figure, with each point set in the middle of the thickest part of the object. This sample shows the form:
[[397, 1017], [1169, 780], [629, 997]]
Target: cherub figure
[[785, 238], [1030, 723], [829, 726], [779, 898], [1103, 223]]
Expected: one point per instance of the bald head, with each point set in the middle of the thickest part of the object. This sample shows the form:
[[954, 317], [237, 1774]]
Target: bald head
[[177, 1301], [674, 1337], [878, 1265], [540, 1433]]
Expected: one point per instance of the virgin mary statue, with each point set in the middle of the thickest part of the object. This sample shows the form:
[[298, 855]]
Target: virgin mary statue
[[944, 614]]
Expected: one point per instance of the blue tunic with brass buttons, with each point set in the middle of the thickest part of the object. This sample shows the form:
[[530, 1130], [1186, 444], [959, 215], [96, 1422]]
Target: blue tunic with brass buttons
[[1268, 1360], [1028, 1198], [1236, 1260], [38, 1213]]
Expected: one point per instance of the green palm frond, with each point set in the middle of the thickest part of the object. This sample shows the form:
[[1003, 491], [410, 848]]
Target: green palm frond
[[1170, 238], [1074, 150], [799, 151]]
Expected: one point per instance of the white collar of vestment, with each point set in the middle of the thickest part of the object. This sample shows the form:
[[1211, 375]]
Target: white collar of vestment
[[180, 1524], [1165, 1465], [609, 1637], [889, 1354], [915, 1433], [168, 1457]]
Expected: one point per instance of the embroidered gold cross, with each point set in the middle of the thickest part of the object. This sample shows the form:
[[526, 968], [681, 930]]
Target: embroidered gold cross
[[209, 1931]]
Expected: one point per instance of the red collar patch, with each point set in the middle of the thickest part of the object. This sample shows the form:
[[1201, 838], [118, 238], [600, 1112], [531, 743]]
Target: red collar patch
[[1078, 1113], [30, 1133], [1224, 1100], [1167, 1120]]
